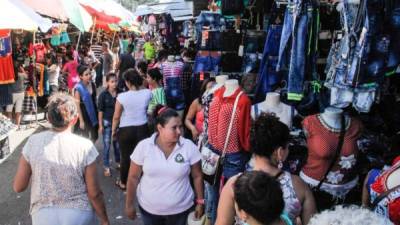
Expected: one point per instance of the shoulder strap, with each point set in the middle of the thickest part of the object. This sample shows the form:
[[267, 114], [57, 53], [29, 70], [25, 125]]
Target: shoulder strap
[[383, 195], [231, 123], [337, 152]]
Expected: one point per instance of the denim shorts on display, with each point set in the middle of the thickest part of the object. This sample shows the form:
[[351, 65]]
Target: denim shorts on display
[[254, 41], [364, 98], [341, 98], [206, 64], [251, 62], [214, 21], [212, 42]]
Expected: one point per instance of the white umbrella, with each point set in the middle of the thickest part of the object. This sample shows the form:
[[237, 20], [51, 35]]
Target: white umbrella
[[16, 15], [63, 9], [44, 23]]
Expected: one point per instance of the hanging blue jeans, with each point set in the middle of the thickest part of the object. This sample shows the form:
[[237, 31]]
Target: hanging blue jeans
[[345, 56], [206, 64], [298, 17], [174, 93], [213, 20], [394, 50], [267, 75], [250, 63]]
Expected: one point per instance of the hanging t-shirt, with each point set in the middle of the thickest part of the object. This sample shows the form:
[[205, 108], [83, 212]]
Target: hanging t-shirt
[[6, 60], [284, 112], [40, 51], [72, 68]]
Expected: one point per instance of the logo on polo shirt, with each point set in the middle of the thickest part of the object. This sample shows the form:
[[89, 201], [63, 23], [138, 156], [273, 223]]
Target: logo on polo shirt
[[179, 158]]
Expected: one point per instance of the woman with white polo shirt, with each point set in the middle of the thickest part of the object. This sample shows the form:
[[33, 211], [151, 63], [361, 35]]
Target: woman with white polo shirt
[[159, 174]]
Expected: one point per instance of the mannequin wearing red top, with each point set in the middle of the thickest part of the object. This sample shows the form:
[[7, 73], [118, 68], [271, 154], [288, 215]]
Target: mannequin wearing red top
[[322, 131], [236, 157]]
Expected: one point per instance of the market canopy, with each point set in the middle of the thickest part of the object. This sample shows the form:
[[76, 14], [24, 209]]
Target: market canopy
[[178, 9], [19, 16], [108, 14], [66, 10]]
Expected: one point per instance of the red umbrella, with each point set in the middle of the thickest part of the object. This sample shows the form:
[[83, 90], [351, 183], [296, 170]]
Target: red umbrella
[[101, 19]]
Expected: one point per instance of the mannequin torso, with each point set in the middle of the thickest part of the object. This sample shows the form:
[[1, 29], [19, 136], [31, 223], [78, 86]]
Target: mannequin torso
[[273, 104], [171, 58], [332, 116], [230, 87]]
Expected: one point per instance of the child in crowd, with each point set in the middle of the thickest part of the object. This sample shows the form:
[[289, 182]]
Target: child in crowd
[[141, 67], [106, 106], [153, 78]]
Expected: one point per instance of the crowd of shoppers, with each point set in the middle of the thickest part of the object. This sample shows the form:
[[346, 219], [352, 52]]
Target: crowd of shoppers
[[121, 96]]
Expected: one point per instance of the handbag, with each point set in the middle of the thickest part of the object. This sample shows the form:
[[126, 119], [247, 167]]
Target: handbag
[[211, 162]]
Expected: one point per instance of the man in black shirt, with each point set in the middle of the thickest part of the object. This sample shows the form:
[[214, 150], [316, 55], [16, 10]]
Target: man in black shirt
[[126, 61]]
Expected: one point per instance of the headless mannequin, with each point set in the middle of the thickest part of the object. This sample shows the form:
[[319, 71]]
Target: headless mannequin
[[230, 87], [171, 58], [221, 79], [273, 104], [332, 116]]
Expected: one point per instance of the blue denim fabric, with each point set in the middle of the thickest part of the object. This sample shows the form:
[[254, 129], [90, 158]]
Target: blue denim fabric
[[213, 43], [206, 64], [343, 60], [364, 98], [250, 62], [185, 28], [107, 139], [298, 17], [254, 41], [267, 75], [395, 19], [341, 98], [151, 219], [214, 20], [234, 164], [394, 52], [174, 93]]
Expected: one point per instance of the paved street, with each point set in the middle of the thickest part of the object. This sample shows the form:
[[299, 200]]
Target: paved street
[[14, 208]]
